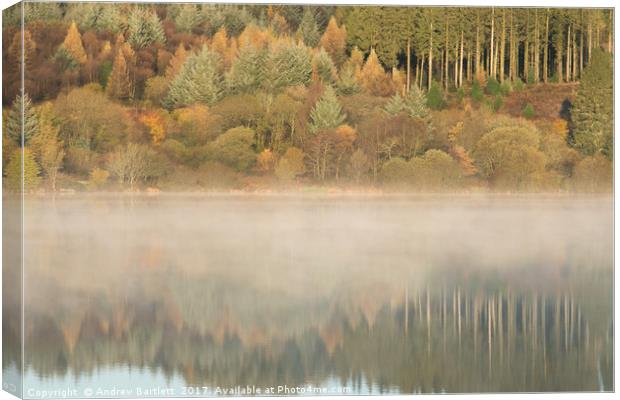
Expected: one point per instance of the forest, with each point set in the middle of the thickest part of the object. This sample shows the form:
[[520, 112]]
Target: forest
[[216, 97]]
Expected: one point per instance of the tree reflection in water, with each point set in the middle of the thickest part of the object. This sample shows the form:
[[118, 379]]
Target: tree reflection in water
[[533, 323]]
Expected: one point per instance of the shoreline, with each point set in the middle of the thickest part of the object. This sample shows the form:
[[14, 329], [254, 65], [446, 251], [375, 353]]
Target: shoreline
[[315, 194]]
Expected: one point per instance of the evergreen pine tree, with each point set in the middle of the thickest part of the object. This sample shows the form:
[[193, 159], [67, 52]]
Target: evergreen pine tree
[[324, 67], [13, 172], [327, 112], [347, 83], [248, 71], [198, 81], [42, 11], [528, 111], [592, 112], [477, 95], [110, 19], [395, 105], [14, 120], [435, 98], [416, 104], [412, 104], [291, 65], [188, 17], [308, 30], [144, 28]]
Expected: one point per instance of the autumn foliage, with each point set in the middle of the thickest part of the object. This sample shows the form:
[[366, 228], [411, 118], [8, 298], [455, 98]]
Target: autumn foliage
[[334, 41], [73, 44], [156, 126], [231, 97]]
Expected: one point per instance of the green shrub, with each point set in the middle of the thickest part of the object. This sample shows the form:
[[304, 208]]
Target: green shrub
[[396, 172], [530, 76], [235, 148], [104, 72], [497, 103], [518, 85], [493, 87], [476, 94], [505, 88], [460, 94], [528, 111], [435, 98]]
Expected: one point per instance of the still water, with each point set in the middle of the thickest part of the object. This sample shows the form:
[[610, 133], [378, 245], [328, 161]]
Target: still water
[[211, 295]]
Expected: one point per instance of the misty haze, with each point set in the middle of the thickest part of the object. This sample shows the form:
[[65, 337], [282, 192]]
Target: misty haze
[[378, 293]]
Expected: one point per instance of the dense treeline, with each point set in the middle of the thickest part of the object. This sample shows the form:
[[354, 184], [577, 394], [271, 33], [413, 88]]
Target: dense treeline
[[224, 96]]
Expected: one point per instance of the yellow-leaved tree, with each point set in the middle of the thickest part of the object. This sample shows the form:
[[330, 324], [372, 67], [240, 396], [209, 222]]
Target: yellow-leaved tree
[[46, 144], [156, 125], [176, 62], [119, 84], [73, 44], [373, 77], [334, 41]]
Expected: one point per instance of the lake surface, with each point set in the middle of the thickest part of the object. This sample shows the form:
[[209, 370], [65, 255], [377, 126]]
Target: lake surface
[[181, 295]]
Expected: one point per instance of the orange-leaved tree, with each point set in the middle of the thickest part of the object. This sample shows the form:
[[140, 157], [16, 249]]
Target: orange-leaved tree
[[334, 41], [119, 84], [156, 125], [73, 44]]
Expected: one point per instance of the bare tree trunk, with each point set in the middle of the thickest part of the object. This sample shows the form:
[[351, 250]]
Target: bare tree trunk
[[422, 72], [461, 62], [477, 63], [496, 59], [609, 31], [408, 64], [52, 176], [581, 50], [511, 50], [574, 62], [417, 70], [536, 51], [491, 58], [589, 41], [546, 50], [526, 52], [469, 63], [568, 56], [456, 63], [442, 68], [446, 58], [558, 60], [502, 48], [430, 59]]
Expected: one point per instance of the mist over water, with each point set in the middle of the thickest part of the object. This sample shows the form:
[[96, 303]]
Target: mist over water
[[376, 294]]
